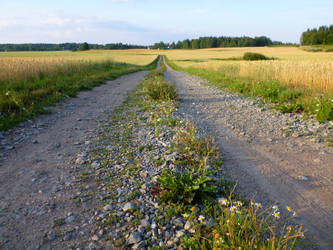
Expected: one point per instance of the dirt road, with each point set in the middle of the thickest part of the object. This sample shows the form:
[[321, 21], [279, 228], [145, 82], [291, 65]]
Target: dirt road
[[36, 176], [268, 163]]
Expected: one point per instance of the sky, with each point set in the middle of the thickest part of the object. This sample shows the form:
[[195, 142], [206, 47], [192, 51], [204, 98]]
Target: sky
[[145, 22]]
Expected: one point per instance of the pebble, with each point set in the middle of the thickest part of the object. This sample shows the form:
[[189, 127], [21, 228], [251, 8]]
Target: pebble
[[108, 207], [95, 238], [134, 238], [70, 219], [128, 206]]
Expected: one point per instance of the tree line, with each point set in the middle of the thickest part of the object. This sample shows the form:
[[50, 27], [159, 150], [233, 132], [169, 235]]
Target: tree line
[[217, 42], [65, 46], [322, 35]]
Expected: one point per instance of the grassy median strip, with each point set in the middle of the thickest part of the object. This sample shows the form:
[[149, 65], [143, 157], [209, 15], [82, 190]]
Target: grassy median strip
[[22, 100], [163, 186]]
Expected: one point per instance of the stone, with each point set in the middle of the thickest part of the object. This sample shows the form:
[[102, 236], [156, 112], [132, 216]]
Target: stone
[[145, 223], [179, 234], [79, 161], [108, 207], [128, 206], [303, 178], [51, 236], [188, 225], [96, 165], [135, 237], [178, 223], [95, 238], [70, 219]]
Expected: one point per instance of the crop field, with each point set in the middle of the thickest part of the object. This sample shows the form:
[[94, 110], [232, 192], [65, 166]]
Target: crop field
[[29, 81], [19, 66], [295, 79], [292, 66]]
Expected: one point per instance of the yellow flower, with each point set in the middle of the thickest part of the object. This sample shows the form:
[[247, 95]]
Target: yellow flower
[[289, 208], [258, 205], [276, 214], [186, 215], [193, 209]]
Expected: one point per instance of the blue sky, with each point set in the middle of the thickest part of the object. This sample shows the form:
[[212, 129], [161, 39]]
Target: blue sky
[[148, 21]]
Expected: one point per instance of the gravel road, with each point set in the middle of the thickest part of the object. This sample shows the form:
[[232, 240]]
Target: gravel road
[[274, 157], [37, 168]]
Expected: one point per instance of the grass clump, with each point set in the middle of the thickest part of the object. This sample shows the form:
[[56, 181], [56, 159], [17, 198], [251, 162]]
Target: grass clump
[[158, 89], [185, 187], [250, 56]]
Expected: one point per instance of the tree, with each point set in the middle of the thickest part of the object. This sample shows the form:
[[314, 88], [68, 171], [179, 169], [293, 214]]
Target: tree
[[84, 46]]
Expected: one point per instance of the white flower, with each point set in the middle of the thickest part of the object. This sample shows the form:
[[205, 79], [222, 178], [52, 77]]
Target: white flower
[[233, 209], [201, 219], [289, 208], [239, 203], [223, 201], [186, 215], [276, 214], [7, 93], [275, 207]]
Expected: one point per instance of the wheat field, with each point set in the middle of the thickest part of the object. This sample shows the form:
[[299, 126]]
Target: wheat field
[[20, 66], [292, 65]]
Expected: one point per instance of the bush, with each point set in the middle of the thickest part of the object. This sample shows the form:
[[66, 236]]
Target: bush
[[249, 56]]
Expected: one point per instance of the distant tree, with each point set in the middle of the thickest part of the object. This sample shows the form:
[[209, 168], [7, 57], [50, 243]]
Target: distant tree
[[322, 35], [84, 46]]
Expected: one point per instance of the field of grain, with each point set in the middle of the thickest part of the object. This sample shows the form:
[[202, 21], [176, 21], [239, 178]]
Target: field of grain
[[19, 66], [292, 66]]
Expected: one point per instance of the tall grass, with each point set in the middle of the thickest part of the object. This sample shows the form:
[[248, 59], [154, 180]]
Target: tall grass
[[311, 100], [24, 96]]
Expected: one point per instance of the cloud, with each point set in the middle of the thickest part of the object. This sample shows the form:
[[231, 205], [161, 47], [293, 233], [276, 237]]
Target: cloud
[[60, 27]]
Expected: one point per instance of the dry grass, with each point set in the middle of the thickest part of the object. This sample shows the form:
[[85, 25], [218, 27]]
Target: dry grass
[[19, 66], [292, 67]]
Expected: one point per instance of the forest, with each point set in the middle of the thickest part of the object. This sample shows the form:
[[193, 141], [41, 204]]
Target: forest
[[322, 35], [217, 42], [64, 46]]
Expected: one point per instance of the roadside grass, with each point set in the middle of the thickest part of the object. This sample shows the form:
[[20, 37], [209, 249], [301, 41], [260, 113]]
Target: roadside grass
[[287, 98], [23, 100]]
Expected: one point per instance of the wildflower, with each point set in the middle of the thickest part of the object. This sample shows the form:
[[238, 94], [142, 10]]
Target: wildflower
[[193, 209], [258, 205], [294, 213], [186, 215], [233, 209], [289, 209], [275, 207], [276, 214], [239, 203], [7, 93], [201, 219], [217, 235], [222, 201]]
